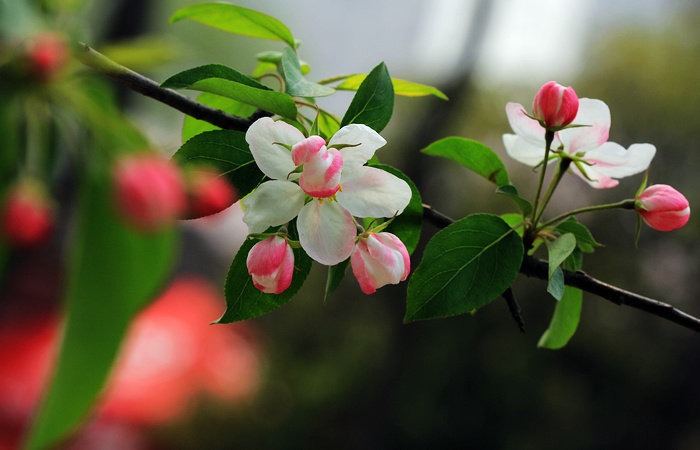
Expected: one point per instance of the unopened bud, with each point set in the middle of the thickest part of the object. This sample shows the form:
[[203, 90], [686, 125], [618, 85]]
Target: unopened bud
[[27, 215], [663, 208], [555, 106], [209, 193]]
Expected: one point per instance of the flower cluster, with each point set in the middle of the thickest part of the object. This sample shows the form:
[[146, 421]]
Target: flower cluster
[[324, 186]]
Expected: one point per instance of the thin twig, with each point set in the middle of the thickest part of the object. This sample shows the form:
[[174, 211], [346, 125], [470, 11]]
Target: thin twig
[[514, 308], [139, 83]]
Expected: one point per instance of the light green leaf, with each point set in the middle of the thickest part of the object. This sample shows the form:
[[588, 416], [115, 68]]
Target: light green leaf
[[473, 155], [328, 124], [558, 250], [296, 84], [373, 103], [401, 87], [192, 127], [335, 276], [237, 20], [567, 313], [465, 266], [114, 271]]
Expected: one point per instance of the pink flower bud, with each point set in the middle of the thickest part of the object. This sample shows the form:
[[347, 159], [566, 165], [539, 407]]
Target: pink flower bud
[[379, 259], [48, 53], [27, 216], [209, 193], [271, 265], [320, 177], [555, 106], [150, 191], [663, 208]]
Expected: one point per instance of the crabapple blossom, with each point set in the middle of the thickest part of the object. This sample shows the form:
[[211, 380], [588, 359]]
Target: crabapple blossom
[[271, 264], [379, 259], [663, 208], [27, 215], [150, 191], [48, 53], [332, 175], [208, 193], [599, 162], [555, 106]]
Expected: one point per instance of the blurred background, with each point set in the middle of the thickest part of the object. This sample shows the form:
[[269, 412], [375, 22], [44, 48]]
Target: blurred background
[[346, 373]]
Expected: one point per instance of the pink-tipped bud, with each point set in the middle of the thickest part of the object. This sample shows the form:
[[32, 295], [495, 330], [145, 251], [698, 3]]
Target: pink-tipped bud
[[320, 177], [48, 54], [209, 193], [663, 208], [555, 106], [27, 215], [271, 265], [150, 191], [379, 259]]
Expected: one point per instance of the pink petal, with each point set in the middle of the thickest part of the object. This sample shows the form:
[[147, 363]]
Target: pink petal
[[525, 127], [593, 113], [321, 175]]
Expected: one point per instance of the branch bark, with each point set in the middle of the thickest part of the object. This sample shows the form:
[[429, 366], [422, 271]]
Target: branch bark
[[531, 266]]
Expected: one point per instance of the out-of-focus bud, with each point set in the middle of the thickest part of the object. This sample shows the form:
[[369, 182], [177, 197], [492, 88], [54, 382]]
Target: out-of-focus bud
[[663, 208], [208, 192], [47, 53], [555, 106], [150, 191], [27, 215], [271, 265], [379, 259]]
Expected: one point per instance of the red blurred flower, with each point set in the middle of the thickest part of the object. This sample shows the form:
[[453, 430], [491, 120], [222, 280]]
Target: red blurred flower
[[209, 193], [27, 215], [48, 53]]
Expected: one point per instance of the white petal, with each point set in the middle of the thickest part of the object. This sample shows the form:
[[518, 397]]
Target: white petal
[[372, 192], [273, 203], [528, 129], [595, 115], [326, 231], [612, 160], [368, 139], [263, 137], [522, 150]]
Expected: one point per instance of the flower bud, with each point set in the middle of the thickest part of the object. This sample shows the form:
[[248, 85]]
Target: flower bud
[[150, 191], [27, 215], [663, 208], [379, 259], [209, 193], [555, 106], [320, 177], [271, 265], [48, 53]]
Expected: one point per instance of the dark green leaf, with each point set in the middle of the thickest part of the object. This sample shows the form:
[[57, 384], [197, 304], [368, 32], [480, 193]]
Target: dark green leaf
[[373, 103], [228, 152], [465, 266], [237, 20], [584, 239], [227, 82], [512, 193], [407, 226], [244, 301], [473, 155], [192, 127], [335, 276], [296, 84], [113, 272], [567, 313], [558, 250]]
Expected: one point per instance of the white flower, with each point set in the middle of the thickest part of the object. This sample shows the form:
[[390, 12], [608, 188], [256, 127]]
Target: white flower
[[603, 162], [333, 175]]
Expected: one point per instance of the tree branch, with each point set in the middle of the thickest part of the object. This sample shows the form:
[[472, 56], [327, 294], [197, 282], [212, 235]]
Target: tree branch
[[150, 88], [531, 266]]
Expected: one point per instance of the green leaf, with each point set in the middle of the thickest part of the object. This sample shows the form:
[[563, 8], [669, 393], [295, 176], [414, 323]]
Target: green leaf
[[512, 193], [401, 87], [228, 152], [465, 266], [473, 155], [192, 127], [515, 221], [407, 226], [237, 20], [567, 313], [296, 84], [244, 301], [558, 250], [373, 103], [222, 80], [113, 272], [335, 276], [584, 239], [328, 124]]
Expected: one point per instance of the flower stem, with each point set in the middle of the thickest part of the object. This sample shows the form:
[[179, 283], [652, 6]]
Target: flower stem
[[562, 167], [624, 204], [548, 138]]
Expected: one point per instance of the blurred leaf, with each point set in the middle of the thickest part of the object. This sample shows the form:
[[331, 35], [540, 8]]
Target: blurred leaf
[[17, 18], [473, 155], [465, 266], [228, 151], [222, 80], [244, 301], [401, 87], [584, 239], [113, 272], [296, 84], [512, 193], [192, 127], [373, 103], [407, 226], [237, 20], [558, 250], [567, 313], [335, 276], [144, 52], [10, 127]]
